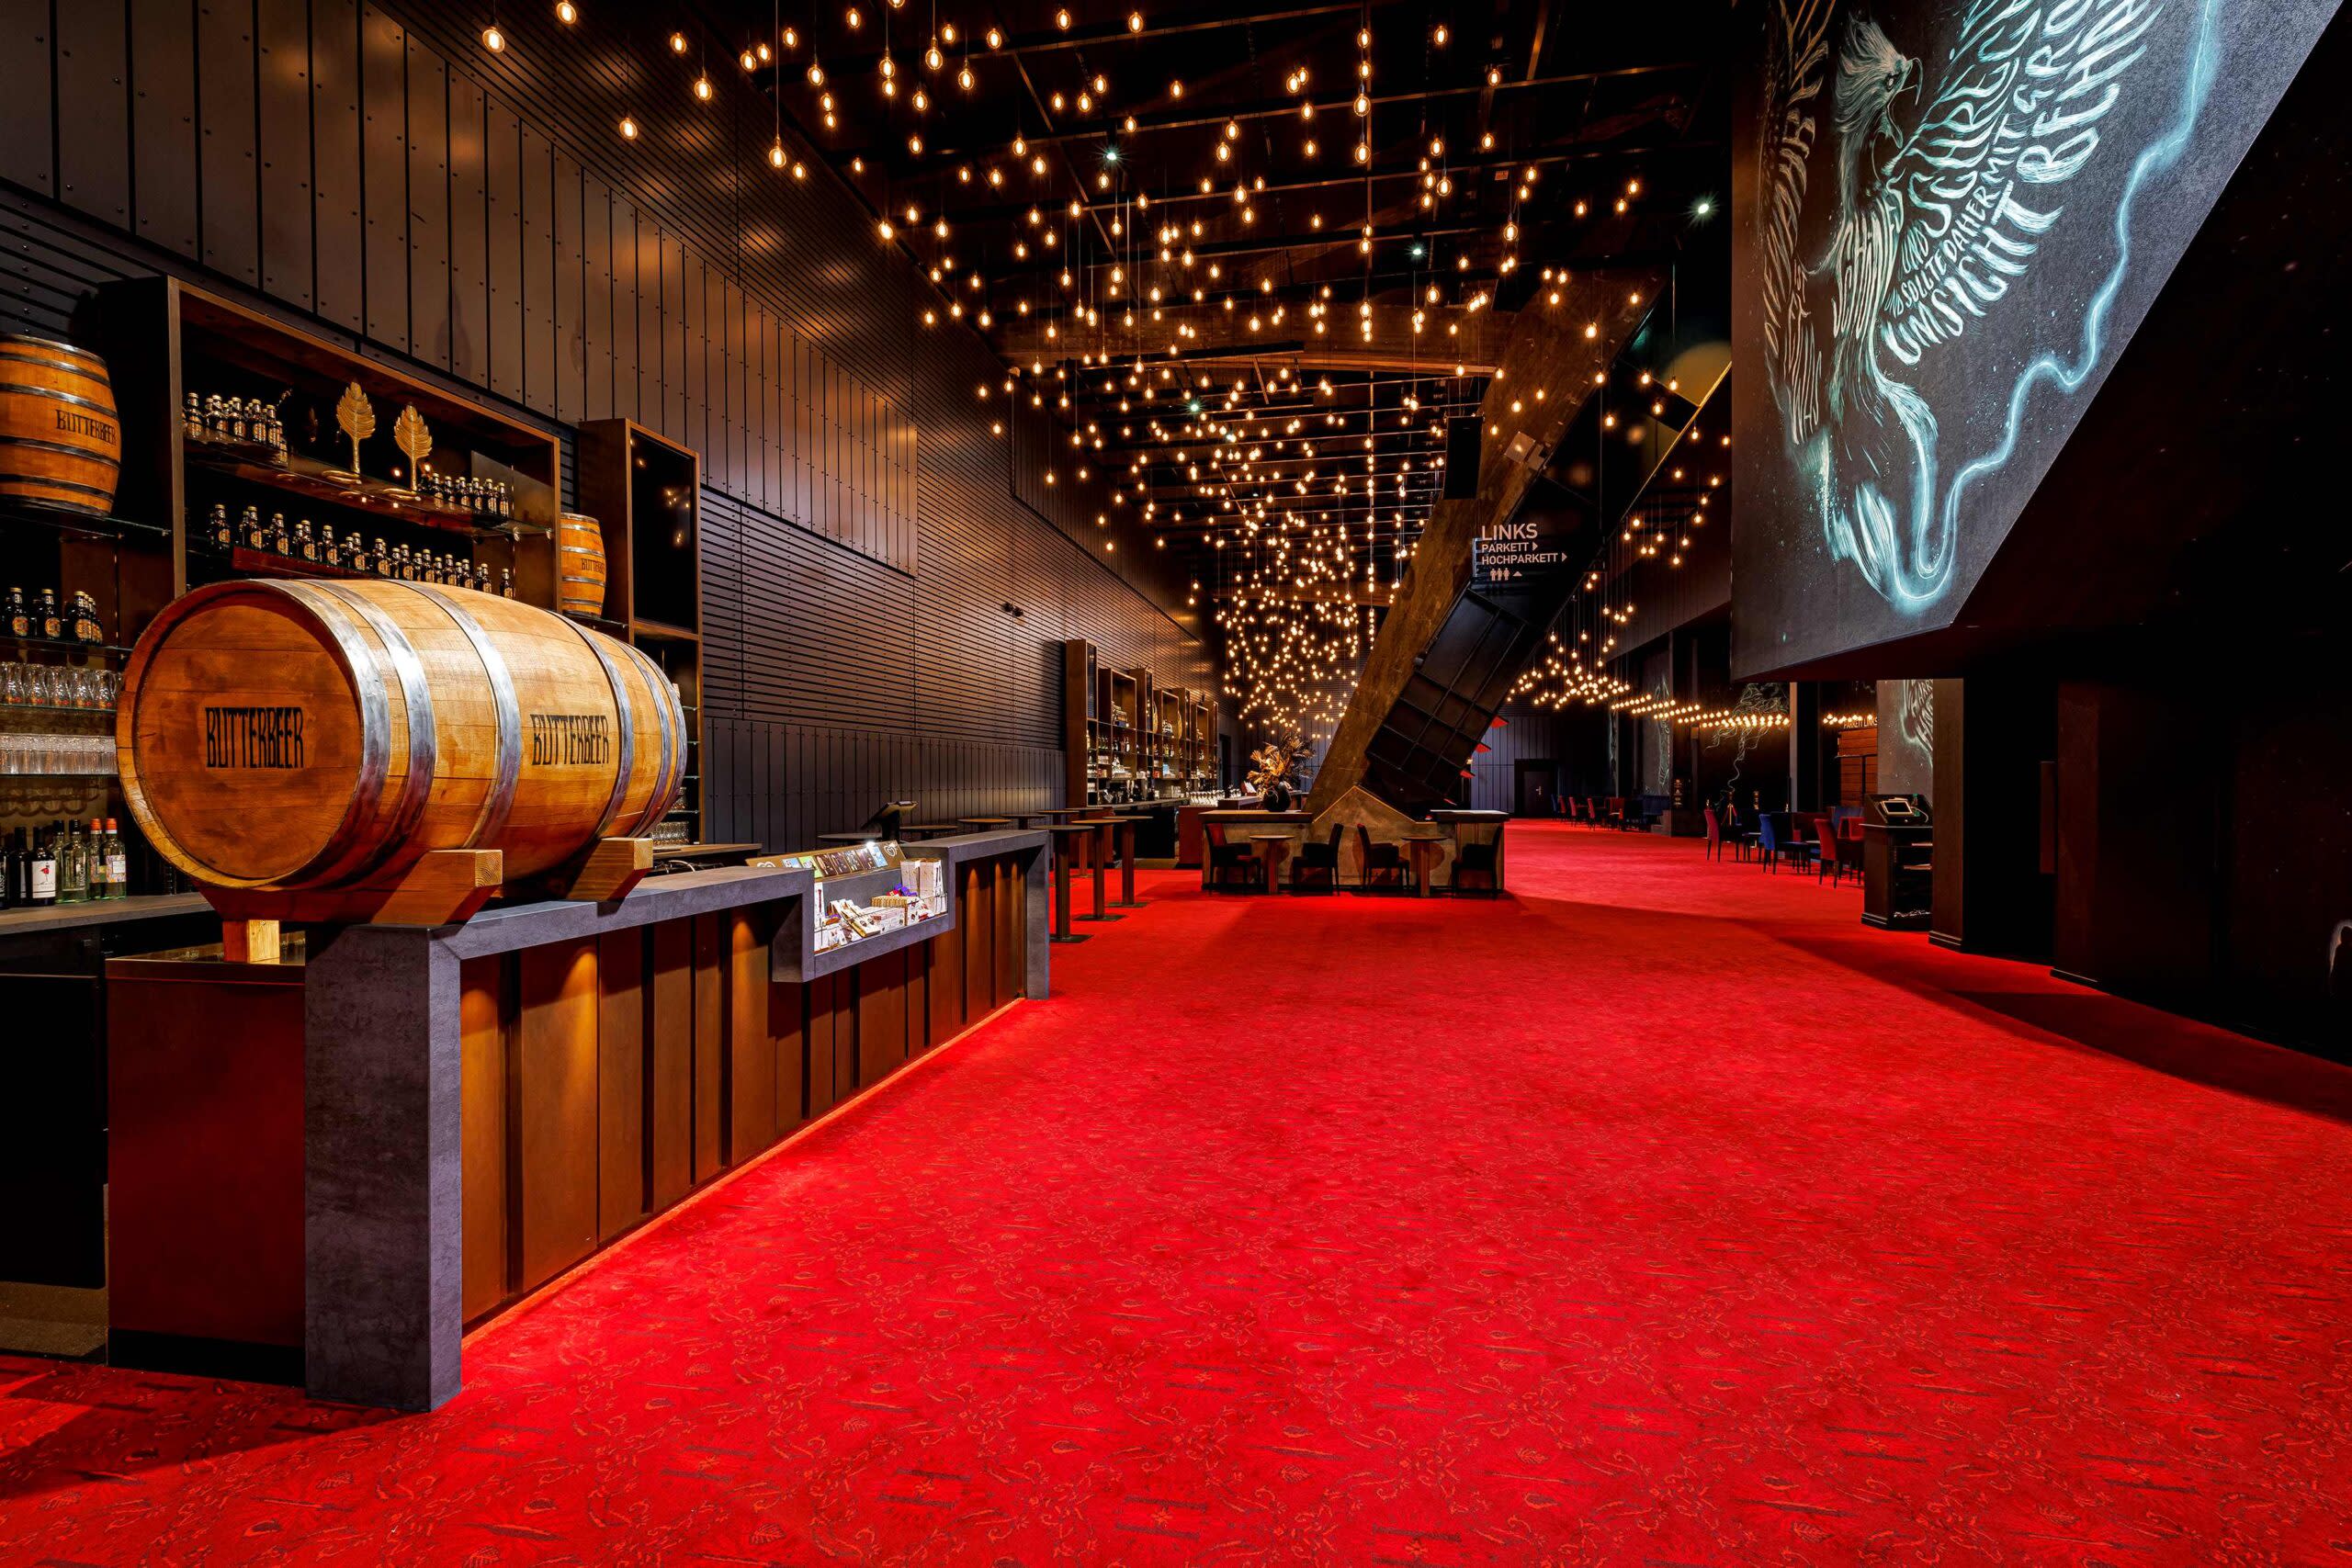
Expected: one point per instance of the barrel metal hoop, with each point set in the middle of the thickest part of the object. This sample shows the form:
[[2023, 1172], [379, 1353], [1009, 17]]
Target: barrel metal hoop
[[499, 804], [375, 723], [10, 476], [665, 782], [80, 454], [8, 356], [7, 338], [55, 396], [627, 737], [423, 744]]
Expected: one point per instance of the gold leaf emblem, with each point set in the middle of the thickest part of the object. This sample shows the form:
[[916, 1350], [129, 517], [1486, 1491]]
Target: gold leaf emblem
[[411, 436], [357, 415]]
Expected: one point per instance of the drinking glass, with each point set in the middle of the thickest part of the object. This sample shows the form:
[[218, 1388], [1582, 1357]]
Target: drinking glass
[[14, 685]]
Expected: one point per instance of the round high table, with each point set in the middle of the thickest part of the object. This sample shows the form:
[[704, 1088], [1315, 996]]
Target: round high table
[[980, 824], [1067, 837], [1098, 854], [862, 836], [930, 829], [1424, 848], [1271, 848], [1124, 831]]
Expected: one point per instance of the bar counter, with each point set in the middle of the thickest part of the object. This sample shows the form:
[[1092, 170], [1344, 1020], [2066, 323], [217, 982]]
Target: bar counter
[[397, 1131]]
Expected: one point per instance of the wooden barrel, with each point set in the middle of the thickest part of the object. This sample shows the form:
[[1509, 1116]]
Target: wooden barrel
[[578, 565], [60, 443], [298, 735]]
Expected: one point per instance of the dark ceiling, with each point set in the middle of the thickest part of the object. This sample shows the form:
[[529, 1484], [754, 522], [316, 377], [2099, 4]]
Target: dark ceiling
[[1069, 175]]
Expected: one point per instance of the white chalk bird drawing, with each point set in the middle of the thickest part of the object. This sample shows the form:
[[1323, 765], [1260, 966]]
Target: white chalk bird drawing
[[1930, 231]]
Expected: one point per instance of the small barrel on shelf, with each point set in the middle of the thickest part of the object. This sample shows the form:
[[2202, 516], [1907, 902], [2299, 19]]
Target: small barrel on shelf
[[580, 565], [296, 736], [60, 444]]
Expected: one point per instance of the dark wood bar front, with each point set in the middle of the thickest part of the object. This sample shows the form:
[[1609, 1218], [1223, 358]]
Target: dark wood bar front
[[608, 1061]]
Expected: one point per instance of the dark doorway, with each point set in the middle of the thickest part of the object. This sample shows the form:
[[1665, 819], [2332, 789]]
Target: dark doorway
[[1536, 787]]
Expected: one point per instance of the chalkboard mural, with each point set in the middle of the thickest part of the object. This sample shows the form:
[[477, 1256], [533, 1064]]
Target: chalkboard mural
[[1951, 218]]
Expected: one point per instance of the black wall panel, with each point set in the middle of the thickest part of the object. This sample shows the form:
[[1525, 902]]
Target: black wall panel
[[338, 230], [162, 122], [94, 154], [284, 62], [27, 62], [228, 164], [383, 101], [375, 172], [469, 233]]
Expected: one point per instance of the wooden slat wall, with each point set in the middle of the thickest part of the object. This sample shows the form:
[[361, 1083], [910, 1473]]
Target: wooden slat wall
[[372, 171]]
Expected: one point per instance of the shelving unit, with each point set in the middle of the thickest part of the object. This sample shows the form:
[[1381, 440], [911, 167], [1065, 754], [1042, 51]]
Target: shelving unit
[[211, 344], [645, 492]]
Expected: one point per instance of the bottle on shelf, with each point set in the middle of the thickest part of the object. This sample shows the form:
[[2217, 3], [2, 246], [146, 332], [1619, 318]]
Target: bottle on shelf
[[304, 545], [19, 618], [73, 865], [95, 867], [85, 618], [216, 528], [47, 621], [505, 582], [380, 561], [280, 541], [329, 547], [192, 417], [40, 873], [117, 863], [250, 533]]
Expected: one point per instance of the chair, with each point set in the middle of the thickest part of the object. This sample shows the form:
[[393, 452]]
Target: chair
[[1715, 834], [1824, 848], [1383, 864], [1776, 840], [1225, 859], [1477, 860], [1321, 861]]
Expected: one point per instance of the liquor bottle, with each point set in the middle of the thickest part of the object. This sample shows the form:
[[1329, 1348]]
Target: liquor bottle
[[249, 531], [505, 582], [403, 570], [85, 618], [505, 501], [95, 866], [73, 865], [378, 559], [329, 547], [40, 879], [49, 623], [117, 863], [20, 620], [8, 900], [216, 418], [236, 416], [481, 577], [217, 529], [305, 546], [280, 541], [192, 418]]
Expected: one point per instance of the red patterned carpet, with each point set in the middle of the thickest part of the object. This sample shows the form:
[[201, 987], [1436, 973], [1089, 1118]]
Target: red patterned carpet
[[1663, 1215]]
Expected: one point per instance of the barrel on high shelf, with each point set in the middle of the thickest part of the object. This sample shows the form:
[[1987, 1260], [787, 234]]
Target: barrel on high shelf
[[578, 565], [60, 443], [301, 736]]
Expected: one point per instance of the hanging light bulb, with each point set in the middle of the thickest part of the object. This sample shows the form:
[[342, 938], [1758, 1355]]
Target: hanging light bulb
[[629, 127], [566, 12], [677, 43], [816, 75], [492, 40], [702, 89], [932, 59], [964, 78], [776, 156]]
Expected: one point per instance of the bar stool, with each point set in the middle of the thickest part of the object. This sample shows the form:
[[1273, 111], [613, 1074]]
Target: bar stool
[[1066, 837], [1125, 832], [1099, 856]]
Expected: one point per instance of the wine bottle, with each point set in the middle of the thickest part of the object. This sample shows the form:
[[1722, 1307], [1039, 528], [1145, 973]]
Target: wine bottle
[[117, 863], [40, 882]]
